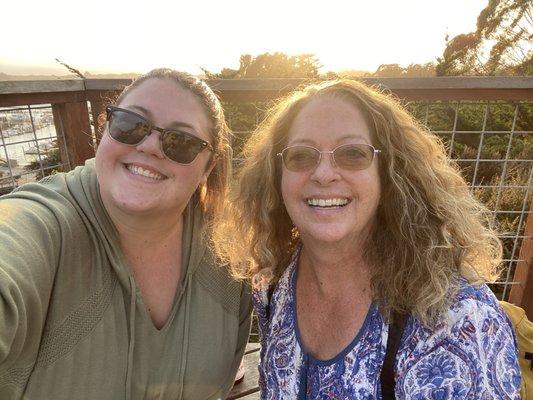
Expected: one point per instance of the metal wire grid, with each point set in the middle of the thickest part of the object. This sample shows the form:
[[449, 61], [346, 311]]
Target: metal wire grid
[[26, 146], [511, 239]]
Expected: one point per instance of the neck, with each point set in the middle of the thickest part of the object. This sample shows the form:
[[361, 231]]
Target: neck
[[335, 269], [145, 233]]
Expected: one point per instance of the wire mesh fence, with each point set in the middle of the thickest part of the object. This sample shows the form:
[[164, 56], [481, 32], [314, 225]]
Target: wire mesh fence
[[29, 146], [490, 141]]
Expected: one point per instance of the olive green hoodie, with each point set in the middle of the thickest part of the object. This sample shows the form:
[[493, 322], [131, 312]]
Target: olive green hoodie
[[72, 321]]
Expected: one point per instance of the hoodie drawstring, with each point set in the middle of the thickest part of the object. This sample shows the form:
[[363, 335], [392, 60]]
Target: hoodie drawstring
[[131, 344], [186, 330]]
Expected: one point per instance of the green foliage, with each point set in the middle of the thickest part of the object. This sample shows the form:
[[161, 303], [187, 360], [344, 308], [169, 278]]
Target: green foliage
[[276, 65], [501, 44], [51, 163], [397, 71]]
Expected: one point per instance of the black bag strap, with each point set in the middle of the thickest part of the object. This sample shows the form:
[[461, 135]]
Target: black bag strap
[[393, 342], [529, 356]]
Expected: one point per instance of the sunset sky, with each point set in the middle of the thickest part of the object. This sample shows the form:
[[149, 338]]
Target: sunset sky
[[135, 36]]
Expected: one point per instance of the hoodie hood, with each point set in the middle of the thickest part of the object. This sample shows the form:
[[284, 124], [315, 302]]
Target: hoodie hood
[[83, 186], [96, 334], [80, 188]]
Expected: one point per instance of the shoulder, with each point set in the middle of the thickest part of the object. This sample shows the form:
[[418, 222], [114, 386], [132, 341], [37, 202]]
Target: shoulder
[[43, 208], [27, 227], [215, 280], [265, 293], [477, 296], [59, 193], [470, 352], [474, 314], [267, 299], [477, 315]]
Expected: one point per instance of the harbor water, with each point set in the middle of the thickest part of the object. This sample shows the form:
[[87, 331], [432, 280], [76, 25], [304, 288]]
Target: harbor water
[[22, 148]]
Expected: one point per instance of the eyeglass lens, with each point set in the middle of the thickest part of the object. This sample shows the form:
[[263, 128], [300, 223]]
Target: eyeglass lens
[[349, 156]]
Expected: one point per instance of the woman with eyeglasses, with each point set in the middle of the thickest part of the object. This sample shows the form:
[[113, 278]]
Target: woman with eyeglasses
[[108, 289], [367, 254]]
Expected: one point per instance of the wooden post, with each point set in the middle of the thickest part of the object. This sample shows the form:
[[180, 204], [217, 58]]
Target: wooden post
[[58, 123], [72, 121], [522, 294], [97, 110]]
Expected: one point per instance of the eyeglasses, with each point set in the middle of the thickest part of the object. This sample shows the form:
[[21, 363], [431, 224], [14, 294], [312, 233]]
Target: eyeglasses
[[130, 128], [350, 157]]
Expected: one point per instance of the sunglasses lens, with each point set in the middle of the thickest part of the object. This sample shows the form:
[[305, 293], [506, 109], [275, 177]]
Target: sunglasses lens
[[354, 156], [181, 147], [127, 128], [300, 158]]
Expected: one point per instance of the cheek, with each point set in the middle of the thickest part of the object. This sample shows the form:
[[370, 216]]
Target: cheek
[[288, 188], [369, 189], [102, 156], [291, 192], [106, 149]]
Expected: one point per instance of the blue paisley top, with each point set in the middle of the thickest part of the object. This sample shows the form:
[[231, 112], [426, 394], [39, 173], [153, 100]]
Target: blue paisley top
[[472, 355]]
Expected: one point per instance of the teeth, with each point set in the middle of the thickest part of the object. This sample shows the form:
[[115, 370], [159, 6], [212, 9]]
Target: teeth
[[336, 202], [144, 172]]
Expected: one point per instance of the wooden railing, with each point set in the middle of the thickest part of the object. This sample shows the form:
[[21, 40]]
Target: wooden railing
[[69, 100]]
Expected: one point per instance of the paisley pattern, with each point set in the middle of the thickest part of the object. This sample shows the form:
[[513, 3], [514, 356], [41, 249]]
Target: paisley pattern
[[470, 355]]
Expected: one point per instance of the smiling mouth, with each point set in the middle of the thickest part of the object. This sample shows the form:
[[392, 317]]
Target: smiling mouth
[[335, 202], [136, 170]]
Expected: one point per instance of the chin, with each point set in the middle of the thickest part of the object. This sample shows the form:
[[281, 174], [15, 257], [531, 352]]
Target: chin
[[128, 202], [325, 236]]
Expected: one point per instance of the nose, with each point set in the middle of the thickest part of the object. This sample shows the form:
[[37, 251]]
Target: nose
[[151, 145], [326, 171]]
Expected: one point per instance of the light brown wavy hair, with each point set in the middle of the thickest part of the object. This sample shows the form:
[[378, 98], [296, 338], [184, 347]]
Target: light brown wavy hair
[[431, 230], [212, 195]]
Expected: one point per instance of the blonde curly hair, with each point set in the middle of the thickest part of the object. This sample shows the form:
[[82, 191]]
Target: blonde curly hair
[[431, 230]]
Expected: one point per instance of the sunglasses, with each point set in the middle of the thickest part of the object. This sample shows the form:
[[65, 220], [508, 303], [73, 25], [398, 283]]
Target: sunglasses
[[350, 157], [130, 128]]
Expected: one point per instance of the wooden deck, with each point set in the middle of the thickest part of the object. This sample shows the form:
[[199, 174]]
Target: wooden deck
[[248, 388]]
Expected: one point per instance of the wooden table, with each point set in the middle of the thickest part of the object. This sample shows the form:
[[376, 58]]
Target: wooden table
[[248, 388]]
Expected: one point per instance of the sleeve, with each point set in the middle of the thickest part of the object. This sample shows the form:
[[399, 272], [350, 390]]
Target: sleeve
[[474, 356], [245, 320], [29, 241]]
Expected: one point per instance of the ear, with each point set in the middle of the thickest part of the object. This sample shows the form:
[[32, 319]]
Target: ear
[[207, 172]]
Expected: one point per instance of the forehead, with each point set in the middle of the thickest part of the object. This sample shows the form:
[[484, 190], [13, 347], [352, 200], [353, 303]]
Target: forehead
[[329, 119], [166, 103]]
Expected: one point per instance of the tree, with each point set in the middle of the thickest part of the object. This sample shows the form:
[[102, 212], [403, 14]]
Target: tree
[[266, 65], [501, 44], [388, 71], [427, 69], [397, 71]]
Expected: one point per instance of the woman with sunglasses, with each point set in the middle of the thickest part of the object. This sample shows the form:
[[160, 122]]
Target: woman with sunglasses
[[348, 219], [108, 289]]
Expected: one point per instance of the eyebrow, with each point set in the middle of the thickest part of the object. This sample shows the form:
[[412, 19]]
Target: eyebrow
[[149, 115], [311, 142]]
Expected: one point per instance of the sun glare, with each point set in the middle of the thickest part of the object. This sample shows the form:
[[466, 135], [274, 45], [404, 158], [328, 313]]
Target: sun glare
[[137, 36]]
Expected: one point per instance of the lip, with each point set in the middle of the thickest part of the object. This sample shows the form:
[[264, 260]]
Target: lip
[[328, 196], [146, 167]]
